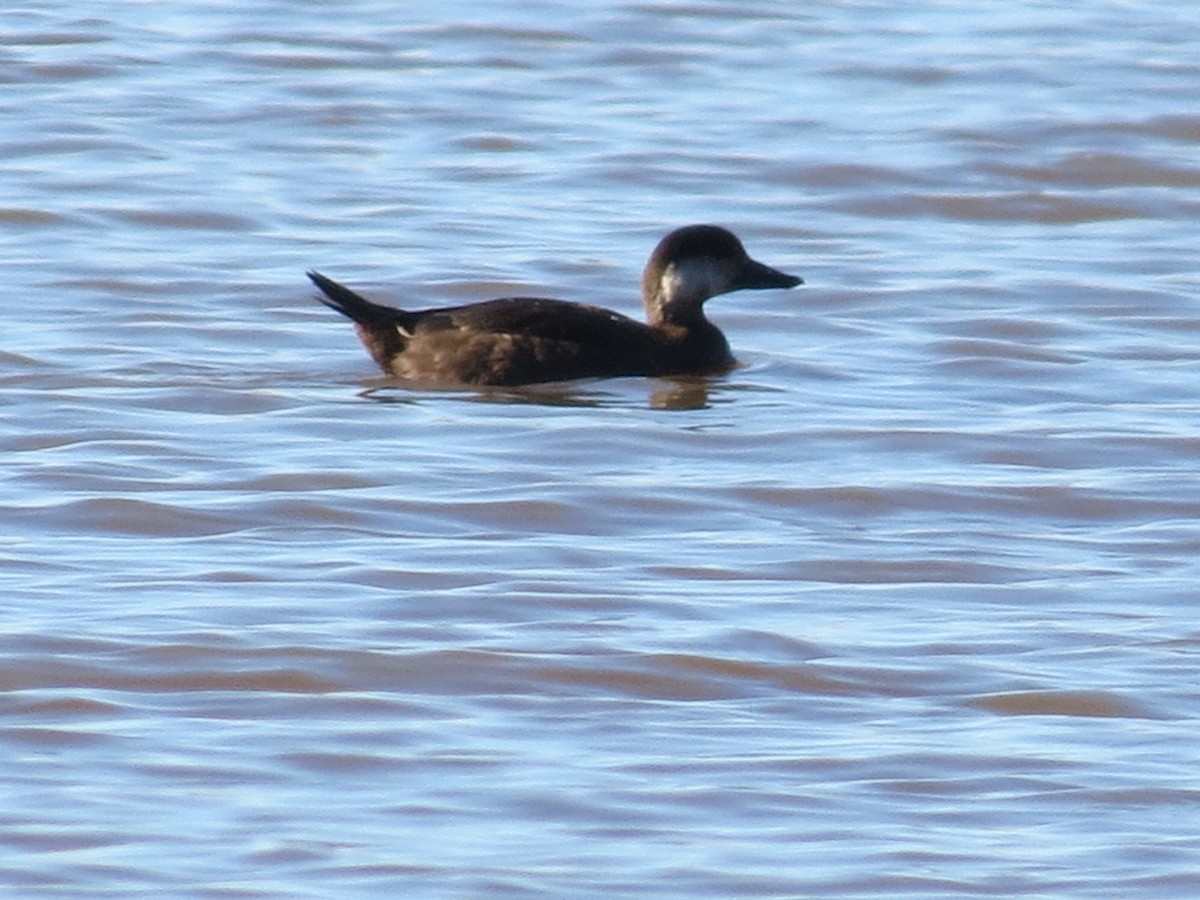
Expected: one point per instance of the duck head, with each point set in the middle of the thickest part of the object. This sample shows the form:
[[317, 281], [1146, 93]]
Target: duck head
[[696, 262]]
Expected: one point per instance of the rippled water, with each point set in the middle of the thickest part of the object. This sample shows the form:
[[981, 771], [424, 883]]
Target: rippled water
[[905, 606]]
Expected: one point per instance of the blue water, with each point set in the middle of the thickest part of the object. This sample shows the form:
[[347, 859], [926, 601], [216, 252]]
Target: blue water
[[904, 606]]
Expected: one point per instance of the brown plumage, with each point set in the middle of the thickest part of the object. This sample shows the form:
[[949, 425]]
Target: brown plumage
[[526, 340]]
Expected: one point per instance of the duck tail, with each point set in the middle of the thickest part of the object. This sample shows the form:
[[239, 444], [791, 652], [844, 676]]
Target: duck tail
[[384, 330], [355, 306]]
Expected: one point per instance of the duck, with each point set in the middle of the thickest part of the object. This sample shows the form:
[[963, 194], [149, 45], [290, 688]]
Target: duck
[[514, 341]]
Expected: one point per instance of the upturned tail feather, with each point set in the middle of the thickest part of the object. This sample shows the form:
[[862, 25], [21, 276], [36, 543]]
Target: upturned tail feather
[[384, 330], [355, 306]]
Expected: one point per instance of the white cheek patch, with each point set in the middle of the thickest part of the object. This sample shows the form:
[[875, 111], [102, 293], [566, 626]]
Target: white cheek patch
[[669, 282], [698, 277]]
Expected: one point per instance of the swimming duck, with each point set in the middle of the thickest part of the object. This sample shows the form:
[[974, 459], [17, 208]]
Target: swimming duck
[[527, 340]]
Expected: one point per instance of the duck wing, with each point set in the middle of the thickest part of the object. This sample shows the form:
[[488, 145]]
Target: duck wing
[[525, 340], [535, 318]]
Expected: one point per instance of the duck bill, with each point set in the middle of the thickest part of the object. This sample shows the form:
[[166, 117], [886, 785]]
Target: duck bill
[[756, 276]]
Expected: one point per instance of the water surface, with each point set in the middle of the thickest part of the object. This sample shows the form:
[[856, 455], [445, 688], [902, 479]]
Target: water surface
[[904, 606]]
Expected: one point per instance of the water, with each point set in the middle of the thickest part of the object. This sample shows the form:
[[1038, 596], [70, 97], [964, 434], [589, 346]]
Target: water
[[902, 607]]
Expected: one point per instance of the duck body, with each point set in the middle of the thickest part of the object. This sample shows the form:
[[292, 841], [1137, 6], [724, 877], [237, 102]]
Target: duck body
[[528, 340]]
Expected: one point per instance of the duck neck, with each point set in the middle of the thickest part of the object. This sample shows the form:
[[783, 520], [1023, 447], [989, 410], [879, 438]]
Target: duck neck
[[672, 313], [695, 343]]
